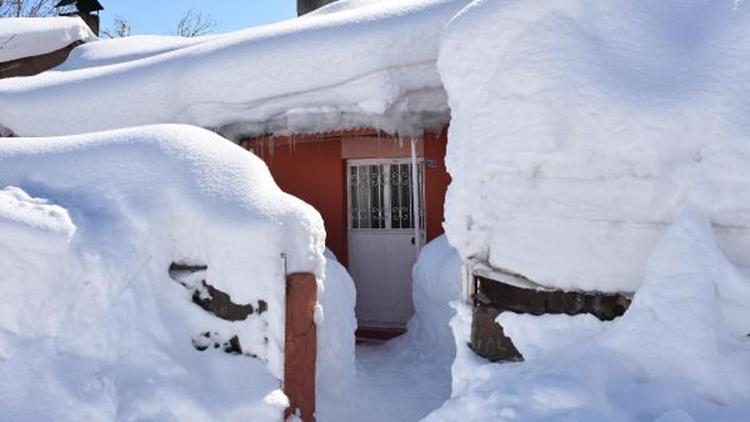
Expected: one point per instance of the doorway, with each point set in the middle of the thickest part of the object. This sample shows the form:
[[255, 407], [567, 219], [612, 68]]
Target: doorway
[[385, 229]]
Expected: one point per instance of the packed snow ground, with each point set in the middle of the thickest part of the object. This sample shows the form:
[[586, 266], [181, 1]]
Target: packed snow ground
[[410, 376], [92, 324], [358, 64], [28, 37]]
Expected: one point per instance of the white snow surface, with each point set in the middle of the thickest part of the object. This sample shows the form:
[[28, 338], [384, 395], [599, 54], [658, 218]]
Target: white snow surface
[[410, 376], [360, 64], [126, 49], [580, 129], [28, 37], [680, 353], [336, 326], [436, 284], [93, 327]]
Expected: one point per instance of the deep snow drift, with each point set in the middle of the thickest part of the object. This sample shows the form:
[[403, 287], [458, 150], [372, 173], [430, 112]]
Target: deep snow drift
[[580, 129], [408, 377], [680, 353], [92, 324], [27, 37], [360, 63], [436, 284]]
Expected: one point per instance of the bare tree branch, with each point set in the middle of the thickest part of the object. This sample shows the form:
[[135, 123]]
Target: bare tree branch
[[26, 8], [6, 42], [193, 24], [121, 29]]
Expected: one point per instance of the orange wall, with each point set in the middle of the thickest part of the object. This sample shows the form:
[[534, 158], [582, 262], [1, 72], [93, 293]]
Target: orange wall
[[313, 171], [436, 182]]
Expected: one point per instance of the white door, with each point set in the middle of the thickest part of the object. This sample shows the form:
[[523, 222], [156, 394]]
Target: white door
[[382, 239]]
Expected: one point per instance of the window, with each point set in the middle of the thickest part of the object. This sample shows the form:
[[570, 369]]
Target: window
[[380, 195]]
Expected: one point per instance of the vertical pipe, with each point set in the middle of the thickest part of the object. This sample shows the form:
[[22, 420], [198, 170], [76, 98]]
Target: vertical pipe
[[415, 195]]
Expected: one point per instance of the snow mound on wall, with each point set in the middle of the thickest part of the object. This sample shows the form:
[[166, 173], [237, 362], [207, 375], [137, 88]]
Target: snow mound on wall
[[93, 325], [681, 352], [28, 37], [585, 126], [372, 66]]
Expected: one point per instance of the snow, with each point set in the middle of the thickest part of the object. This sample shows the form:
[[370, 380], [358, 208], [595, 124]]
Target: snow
[[107, 52], [581, 129], [365, 64], [681, 352], [335, 362], [408, 377], [92, 323], [436, 283], [28, 37]]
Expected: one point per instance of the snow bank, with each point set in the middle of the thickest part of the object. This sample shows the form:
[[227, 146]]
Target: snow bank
[[681, 352], [437, 282], [585, 127], [371, 65], [95, 326], [28, 37], [337, 324]]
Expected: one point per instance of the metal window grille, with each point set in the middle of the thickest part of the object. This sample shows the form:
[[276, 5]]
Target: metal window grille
[[380, 195]]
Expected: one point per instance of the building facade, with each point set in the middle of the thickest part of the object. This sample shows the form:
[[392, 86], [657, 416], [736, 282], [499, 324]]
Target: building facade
[[381, 198]]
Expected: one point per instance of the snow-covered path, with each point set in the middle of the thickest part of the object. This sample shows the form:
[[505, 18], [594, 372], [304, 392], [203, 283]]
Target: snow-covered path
[[395, 382]]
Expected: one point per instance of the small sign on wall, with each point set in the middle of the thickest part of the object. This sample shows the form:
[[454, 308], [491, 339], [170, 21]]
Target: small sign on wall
[[431, 164]]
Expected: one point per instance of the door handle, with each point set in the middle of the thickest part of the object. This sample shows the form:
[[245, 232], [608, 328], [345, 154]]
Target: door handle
[[413, 240]]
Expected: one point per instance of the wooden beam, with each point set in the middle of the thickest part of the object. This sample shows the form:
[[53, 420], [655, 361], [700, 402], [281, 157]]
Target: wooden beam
[[300, 349]]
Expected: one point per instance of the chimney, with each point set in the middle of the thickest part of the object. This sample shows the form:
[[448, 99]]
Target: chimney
[[307, 6], [88, 10]]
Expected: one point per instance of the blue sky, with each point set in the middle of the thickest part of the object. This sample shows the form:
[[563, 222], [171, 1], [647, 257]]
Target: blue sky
[[160, 16]]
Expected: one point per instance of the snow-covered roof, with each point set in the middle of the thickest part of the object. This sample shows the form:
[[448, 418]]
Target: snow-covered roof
[[350, 64], [28, 37]]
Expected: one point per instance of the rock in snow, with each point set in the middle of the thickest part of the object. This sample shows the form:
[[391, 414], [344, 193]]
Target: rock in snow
[[28, 37]]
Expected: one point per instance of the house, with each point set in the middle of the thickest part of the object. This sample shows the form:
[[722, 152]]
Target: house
[[29, 46], [358, 133], [377, 209]]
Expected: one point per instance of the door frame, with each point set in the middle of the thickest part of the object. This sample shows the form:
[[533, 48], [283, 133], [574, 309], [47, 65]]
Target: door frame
[[388, 326]]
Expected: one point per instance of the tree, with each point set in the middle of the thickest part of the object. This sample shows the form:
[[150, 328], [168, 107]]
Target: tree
[[27, 8], [193, 24], [121, 29]]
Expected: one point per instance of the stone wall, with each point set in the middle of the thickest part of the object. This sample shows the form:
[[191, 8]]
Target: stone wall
[[494, 297], [30, 66]]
